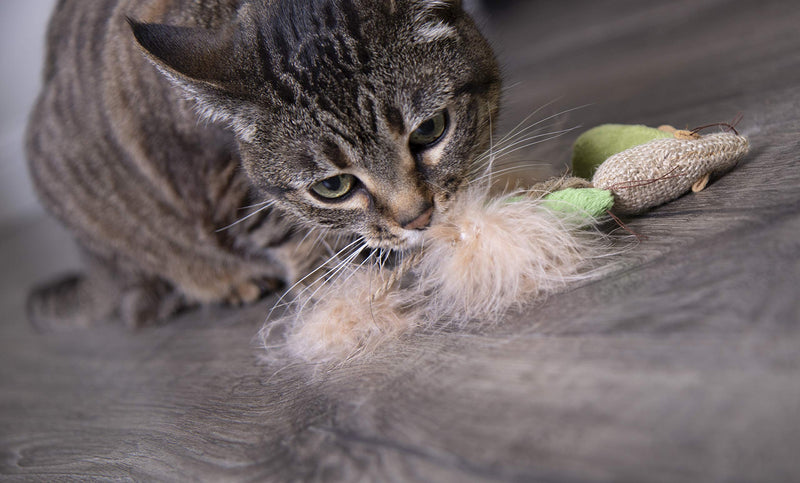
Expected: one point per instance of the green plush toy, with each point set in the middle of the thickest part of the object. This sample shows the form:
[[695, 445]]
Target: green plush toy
[[639, 167], [590, 201], [600, 143]]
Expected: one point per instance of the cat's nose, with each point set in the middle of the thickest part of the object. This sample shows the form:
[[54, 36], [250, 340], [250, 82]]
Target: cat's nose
[[421, 221]]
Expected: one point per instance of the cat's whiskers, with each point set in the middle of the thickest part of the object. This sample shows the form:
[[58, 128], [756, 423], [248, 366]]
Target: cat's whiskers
[[322, 234], [500, 172], [380, 261], [497, 150], [348, 252], [266, 205], [368, 259], [309, 231], [518, 131], [318, 283], [533, 140], [505, 163], [331, 277], [338, 269], [492, 147], [256, 205], [512, 149], [310, 273], [553, 116], [529, 141], [522, 137], [385, 258]]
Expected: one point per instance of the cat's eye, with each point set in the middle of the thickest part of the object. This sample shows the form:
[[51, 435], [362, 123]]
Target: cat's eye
[[335, 187], [429, 132]]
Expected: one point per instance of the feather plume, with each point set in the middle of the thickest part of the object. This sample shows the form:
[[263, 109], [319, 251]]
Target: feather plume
[[483, 257]]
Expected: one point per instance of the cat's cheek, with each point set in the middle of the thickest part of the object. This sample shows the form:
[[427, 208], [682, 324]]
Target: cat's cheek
[[362, 201], [434, 156]]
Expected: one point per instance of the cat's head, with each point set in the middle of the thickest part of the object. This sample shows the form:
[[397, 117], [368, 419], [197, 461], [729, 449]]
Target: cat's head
[[362, 116]]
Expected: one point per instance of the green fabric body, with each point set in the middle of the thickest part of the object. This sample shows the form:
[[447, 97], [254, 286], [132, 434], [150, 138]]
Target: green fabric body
[[599, 143], [592, 202]]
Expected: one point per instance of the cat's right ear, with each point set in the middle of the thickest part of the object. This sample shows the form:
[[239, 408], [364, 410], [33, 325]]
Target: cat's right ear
[[188, 54]]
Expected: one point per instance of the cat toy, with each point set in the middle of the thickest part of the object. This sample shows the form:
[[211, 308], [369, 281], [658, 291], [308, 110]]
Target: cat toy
[[490, 254]]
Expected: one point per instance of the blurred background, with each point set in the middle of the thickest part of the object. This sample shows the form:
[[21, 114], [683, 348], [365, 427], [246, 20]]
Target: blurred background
[[22, 30]]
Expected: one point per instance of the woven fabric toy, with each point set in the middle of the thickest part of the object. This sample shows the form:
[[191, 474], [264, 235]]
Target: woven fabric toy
[[489, 254], [646, 167]]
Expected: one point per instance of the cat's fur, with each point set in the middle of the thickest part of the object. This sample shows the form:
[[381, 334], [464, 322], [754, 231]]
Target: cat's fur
[[161, 121]]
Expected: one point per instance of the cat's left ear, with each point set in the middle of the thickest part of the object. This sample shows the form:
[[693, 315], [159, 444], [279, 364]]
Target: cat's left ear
[[200, 61], [190, 54]]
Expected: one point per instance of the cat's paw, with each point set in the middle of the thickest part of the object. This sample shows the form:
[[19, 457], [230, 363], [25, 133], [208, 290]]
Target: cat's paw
[[67, 303], [150, 304], [251, 290], [244, 293]]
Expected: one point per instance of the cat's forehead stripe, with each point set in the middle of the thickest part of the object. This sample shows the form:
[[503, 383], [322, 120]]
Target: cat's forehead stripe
[[394, 118], [335, 155]]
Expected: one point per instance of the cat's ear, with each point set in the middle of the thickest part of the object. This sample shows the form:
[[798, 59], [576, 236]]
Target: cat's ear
[[188, 53], [200, 61], [439, 3], [433, 20]]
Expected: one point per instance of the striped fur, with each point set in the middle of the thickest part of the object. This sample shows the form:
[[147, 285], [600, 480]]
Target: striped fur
[[178, 140]]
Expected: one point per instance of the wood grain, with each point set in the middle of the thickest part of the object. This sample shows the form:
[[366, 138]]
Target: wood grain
[[681, 365]]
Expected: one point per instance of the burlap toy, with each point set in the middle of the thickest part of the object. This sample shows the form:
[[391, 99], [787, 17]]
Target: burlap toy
[[645, 167]]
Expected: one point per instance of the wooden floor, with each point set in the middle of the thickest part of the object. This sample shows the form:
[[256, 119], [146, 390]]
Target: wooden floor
[[682, 365]]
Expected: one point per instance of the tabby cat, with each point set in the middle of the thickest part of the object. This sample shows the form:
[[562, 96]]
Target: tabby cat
[[163, 123]]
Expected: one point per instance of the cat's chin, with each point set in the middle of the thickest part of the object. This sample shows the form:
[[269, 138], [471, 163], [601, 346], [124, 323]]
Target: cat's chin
[[408, 240], [412, 239]]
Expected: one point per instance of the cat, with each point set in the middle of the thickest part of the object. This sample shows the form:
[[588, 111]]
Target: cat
[[200, 150]]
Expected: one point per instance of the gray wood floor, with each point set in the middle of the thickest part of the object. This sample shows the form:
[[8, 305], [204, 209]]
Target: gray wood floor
[[682, 365]]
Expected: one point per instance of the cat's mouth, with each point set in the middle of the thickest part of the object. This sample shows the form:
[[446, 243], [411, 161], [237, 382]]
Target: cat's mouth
[[412, 237], [406, 241]]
